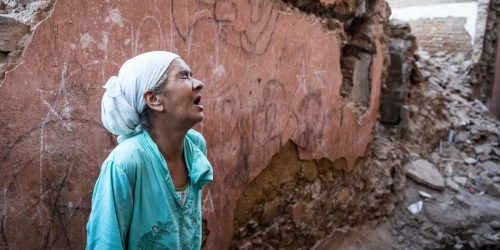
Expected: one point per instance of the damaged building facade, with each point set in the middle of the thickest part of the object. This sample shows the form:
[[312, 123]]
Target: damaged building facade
[[293, 94]]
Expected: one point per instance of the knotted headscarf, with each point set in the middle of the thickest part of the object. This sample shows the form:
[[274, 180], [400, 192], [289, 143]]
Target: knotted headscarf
[[123, 100]]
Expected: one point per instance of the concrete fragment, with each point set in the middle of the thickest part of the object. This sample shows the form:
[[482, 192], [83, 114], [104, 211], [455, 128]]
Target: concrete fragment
[[448, 170], [424, 194], [451, 184], [493, 189], [496, 179], [470, 160], [416, 207], [425, 173], [478, 149], [495, 224], [492, 168], [11, 31], [460, 180], [496, 151]]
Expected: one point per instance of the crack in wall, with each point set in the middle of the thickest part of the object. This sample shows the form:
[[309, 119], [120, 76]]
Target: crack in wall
[[354, 23], [277, 208]]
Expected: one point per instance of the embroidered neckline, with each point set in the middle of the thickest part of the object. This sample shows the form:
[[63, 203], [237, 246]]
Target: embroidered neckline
[[181, 189]]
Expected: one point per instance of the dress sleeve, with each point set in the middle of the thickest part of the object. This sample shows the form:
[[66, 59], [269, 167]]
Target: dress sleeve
[[112, 205], [199, 140], [202, 144]]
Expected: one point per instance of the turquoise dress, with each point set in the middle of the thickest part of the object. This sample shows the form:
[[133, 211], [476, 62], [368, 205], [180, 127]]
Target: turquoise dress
[[135, 206]]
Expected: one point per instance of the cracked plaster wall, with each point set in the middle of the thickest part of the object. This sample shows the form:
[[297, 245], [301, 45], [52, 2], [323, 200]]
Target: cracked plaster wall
[[280, 77]]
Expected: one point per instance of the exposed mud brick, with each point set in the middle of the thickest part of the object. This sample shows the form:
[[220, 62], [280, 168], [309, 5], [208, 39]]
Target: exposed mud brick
[[442, 35], [402, 46], [267, 83], [307, 210], [361, 79], [11, 31]]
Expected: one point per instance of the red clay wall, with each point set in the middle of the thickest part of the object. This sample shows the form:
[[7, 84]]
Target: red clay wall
[[271, 76]]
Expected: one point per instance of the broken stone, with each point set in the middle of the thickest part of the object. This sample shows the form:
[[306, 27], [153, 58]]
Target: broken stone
[[460, 180], [470, 160], [425, 173], [309, 171], [483, 158], [496, 151], [493, 190], [462, 201], [246, 246], [479, 106], [11, 31], [478, 149], [496, 179], [461, 137], [451, 184], [401, 239], [495, 224], [298, 213], [316, 189], [270, 210], [448, 170], [424, 194], [491, 168], [416, 207], [487, 148], [435, 157]]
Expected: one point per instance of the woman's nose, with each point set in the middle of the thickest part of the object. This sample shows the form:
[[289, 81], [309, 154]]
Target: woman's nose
[[198, 85]]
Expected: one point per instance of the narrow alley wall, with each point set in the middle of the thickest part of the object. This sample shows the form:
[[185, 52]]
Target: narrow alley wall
[[485, 50], [292, 96]]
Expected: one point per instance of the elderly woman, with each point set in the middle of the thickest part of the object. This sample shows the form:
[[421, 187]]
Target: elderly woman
[[148, 194]]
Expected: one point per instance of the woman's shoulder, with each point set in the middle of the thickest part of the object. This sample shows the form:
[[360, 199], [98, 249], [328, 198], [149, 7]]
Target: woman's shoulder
[[198, 139], [128, 153]]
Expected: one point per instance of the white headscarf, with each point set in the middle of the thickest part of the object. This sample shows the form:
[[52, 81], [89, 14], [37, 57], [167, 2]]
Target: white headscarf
[[123, 100]]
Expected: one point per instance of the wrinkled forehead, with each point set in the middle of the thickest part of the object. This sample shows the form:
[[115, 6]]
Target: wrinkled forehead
[[178, 65]]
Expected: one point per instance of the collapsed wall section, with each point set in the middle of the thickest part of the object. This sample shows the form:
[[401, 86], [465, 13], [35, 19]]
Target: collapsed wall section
[[274, 83]]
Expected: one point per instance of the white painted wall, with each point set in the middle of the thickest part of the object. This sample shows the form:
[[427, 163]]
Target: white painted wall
[[467, 10]]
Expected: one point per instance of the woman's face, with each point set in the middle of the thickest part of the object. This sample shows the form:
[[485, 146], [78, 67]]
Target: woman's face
[[181, 95]]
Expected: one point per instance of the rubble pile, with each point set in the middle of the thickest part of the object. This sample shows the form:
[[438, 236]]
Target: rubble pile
[[456, 203], [448, 146]]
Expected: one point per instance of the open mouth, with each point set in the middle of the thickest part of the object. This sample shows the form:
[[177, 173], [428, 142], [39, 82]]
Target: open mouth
[[197, 100]]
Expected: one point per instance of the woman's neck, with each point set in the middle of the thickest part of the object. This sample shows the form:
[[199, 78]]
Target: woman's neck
[[169, 139]]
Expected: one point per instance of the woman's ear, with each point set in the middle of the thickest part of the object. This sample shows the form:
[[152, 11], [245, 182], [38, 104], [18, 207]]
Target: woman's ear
[[152, 101]]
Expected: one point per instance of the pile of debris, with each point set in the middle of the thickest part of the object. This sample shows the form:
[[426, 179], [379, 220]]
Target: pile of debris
[[453, 199], [449, 147]]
